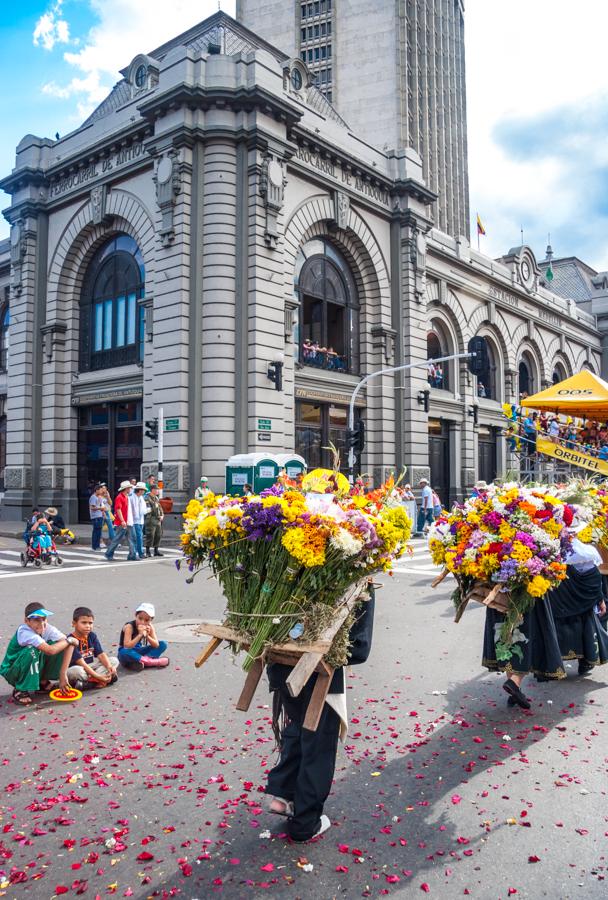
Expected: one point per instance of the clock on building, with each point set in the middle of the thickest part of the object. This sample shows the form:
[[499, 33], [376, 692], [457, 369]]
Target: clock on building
[[526, 271], [141, 73], [296, 79]]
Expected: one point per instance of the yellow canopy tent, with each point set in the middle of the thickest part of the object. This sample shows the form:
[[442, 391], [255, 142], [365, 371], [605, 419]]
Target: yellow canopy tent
[[584, 396]]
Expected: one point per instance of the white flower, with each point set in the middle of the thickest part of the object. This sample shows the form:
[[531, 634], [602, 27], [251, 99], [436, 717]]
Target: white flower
[[346, 542]]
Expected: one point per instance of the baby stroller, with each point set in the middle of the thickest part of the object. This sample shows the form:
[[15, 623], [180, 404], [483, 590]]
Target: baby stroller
[[40, 547]]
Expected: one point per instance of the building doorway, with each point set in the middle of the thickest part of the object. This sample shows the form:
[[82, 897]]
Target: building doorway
[[439, 459], [317, 425], [109, 448], [486, 453]]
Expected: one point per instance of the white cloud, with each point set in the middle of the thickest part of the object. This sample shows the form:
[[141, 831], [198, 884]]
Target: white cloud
[[125, 28], [51, 28], [525, 62]]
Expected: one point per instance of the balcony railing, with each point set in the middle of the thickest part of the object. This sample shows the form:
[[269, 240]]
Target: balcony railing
[[320, 358]]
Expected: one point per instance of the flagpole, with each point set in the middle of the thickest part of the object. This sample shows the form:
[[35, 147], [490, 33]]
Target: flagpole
[[477, 224]]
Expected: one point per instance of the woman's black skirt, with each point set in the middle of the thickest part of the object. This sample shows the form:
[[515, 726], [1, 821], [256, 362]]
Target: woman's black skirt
[[579, 630], [535, 644]]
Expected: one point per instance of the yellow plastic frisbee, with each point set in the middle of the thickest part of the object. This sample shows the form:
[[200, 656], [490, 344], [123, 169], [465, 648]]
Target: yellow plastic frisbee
[[72, 694]]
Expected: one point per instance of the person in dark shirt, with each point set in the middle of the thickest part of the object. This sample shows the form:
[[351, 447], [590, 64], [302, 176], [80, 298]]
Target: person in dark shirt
[[90, 664], [301, 781]]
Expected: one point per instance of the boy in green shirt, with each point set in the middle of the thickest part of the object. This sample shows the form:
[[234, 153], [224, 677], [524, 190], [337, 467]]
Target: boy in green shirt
[[37, 654]]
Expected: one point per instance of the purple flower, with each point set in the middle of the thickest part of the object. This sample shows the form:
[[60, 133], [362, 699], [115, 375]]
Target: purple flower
[[526, 539], [508, 570], [535, 566], [493, 519], [276, 490], [260, 523]]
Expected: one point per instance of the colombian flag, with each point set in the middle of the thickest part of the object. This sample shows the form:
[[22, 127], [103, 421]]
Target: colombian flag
[[480, 228]]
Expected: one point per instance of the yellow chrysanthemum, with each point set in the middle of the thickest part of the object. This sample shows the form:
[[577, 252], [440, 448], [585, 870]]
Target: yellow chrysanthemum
[[538, 586], [208, 528], [306, 545]]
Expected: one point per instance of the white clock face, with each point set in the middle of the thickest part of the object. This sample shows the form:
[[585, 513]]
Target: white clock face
[[525, 270]]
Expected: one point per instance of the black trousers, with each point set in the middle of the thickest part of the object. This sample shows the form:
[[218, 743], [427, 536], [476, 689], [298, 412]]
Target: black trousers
[[305, 770]]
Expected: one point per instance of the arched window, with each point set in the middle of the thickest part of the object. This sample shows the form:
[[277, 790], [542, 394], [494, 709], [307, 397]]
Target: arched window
[[5, 319], [526, 370], [111, 319], [438, 344], [559, 373], [487, 386], [329, 309]]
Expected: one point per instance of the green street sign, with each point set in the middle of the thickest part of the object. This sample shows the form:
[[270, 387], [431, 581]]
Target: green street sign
[[171, 424], [264, 424]]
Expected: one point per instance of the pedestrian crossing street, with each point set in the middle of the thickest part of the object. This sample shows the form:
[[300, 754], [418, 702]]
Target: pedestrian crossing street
[[73, 556], [420, 563], [80, 557]]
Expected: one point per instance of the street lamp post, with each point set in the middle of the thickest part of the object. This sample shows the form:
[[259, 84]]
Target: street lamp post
[[366, 378]]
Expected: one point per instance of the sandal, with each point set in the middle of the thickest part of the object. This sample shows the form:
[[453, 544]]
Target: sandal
[[22, 697], [286, 807], [518, 696]]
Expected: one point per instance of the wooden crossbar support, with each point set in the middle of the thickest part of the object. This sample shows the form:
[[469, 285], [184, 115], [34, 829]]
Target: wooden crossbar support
[[318, 697], [251, 683], [207, 651], [304, 659]]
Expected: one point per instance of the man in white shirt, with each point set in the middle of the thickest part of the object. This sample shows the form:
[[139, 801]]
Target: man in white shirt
[[138, 510], [97, 510], [425, 513]]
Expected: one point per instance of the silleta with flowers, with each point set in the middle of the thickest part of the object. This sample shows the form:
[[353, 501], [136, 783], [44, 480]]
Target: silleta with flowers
[[507, 546], [286, 559]]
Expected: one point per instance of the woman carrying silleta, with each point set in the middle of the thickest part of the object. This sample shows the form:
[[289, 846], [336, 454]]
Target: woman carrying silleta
[[532, 649]]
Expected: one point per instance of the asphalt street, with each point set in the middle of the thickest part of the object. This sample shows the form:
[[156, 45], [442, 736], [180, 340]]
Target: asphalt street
[[152, 788]]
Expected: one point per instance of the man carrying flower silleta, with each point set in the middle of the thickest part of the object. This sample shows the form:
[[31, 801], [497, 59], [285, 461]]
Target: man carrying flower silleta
[[291, 563], [301, 781]]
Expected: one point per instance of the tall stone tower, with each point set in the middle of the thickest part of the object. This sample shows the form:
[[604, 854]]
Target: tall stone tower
[[395, 70]]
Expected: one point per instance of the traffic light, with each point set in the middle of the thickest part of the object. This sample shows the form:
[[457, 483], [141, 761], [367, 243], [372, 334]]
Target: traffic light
[[355, 438], [275, 374], [478, 361], [152, 429]]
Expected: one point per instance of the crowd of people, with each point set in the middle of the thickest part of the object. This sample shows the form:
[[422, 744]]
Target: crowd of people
[[322, 357], [588, 436], [434, 374], [40, 656], [134, 518]]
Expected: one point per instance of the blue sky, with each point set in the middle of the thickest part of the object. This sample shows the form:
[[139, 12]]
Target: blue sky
[[537, 100]]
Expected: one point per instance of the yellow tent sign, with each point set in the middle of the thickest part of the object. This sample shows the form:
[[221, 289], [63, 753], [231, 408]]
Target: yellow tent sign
[[572, 457], [584, 395]]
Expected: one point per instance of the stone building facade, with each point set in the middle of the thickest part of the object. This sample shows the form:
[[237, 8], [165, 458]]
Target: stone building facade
[[216, 214]]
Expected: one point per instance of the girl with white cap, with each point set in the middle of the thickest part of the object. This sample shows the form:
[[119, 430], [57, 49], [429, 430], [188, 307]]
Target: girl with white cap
[[139, 647]]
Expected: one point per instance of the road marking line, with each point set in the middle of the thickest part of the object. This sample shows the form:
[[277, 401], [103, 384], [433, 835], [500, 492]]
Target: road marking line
[[72, 568]]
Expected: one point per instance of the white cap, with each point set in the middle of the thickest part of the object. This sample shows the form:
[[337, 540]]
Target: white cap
[[140, 486], [124, 485], [147, 608]]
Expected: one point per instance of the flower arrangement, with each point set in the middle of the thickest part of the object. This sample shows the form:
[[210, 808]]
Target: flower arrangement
[[511, 537], [590, 501], [286, 557]]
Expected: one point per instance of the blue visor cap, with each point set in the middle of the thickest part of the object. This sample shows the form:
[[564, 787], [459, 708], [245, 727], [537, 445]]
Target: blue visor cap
[[40, 614]]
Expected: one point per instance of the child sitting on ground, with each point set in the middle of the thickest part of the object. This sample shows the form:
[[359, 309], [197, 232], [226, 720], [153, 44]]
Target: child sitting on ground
[[139, 646], [37, 654], [90, 665]]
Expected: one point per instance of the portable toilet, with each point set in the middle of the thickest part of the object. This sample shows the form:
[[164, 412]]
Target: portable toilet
[[293, 464], [259, 470]]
